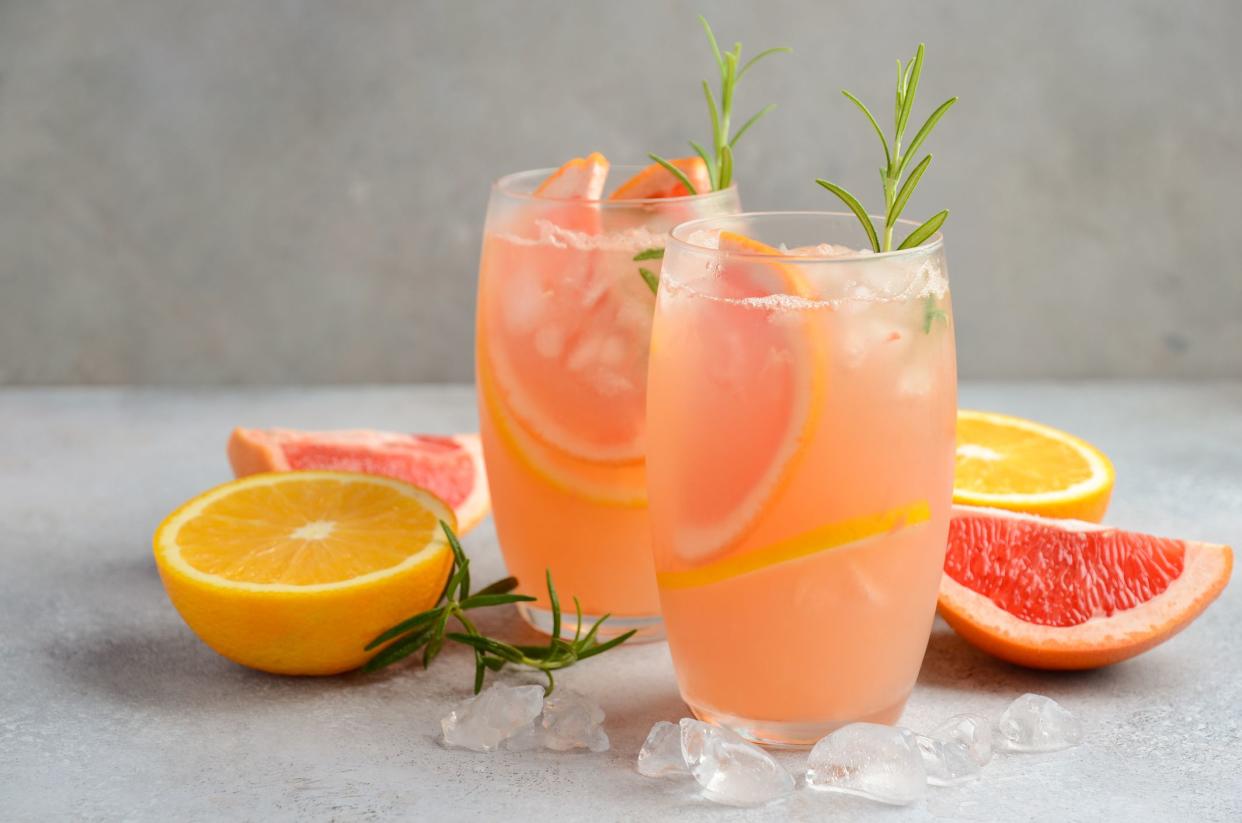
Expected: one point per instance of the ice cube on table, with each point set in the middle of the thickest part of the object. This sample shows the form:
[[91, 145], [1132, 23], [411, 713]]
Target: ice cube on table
[[729, 769], [870, 760], [572, 721], [974, 731], [1034, 723], [483, 722], [946, 762], [660, 755]]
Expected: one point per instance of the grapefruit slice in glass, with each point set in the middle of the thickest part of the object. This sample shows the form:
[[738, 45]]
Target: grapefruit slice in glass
[[451, 468], [760, 364], [568, 321], [1067, 594], [657, 181]]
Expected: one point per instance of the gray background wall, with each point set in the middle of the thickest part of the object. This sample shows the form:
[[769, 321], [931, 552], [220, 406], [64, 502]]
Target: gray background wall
[[239, 191]]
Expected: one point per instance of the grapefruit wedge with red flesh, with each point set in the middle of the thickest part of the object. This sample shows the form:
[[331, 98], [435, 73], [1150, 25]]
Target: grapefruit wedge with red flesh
[[1066, 594], [656, 181], [451, 468], [582, 178]]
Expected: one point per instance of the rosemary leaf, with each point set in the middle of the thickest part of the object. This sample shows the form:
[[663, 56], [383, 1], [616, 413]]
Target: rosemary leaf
[[737, 135], [502, 586], [650, 278], [399, 650], [922, 133], [925, 231], [752, 61], [676, 172], [888, 160], [907, 189], [656, 253], [600, 648], [852, 203], [478, 601], [405, 626]]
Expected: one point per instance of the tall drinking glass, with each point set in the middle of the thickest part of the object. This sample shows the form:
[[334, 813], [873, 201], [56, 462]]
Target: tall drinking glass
[[563, 328], [800, 441]]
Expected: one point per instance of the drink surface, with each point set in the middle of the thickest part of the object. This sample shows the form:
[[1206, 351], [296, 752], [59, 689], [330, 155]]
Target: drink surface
[[563, 330], [800, 470]]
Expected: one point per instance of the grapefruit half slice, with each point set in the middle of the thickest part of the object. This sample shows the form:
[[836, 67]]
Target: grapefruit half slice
[[764, 365], [657, 181], [1066, 594], [451, 468]]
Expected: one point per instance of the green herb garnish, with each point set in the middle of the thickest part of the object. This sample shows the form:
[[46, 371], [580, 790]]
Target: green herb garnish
[[931, 313], [732, 70], [896, 192], [428, 630], [649, 277]]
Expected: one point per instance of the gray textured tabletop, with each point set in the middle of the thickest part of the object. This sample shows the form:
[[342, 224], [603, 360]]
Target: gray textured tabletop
[[110, 708]]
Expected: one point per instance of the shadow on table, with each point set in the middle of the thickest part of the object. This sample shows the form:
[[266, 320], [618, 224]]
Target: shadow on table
[[952, 663]]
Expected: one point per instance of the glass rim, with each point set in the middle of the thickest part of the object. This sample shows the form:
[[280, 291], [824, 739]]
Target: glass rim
[[504, 185], [678, 236]]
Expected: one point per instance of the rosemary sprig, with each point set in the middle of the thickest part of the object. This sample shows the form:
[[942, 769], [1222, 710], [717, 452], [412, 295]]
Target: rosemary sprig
[[720, 160], [931, 313], [428, 630], [896, 192]]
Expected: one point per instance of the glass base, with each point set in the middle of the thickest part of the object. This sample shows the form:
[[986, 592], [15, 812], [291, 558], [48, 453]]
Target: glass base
[[648, 629], [790, 735]]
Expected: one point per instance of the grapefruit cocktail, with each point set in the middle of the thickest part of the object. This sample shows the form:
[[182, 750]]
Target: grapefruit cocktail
[[563, 327], [800, 461]]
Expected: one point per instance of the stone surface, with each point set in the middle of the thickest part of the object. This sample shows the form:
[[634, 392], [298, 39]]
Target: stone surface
[[293, 192], [110, 708]]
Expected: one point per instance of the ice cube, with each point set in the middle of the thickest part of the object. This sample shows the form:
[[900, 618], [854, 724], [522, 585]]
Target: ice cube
[[729, 769], [946, 762], [869, 760], [481, 723], [572, 721], [974, 731], [660, 755], [1034, 723]]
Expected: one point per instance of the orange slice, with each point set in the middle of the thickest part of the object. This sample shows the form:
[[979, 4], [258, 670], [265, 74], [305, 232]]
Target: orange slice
[[1066, 594], [1015, 464], [657, 181], [451, 468], [295, 572], [582, 178], [766, 363]]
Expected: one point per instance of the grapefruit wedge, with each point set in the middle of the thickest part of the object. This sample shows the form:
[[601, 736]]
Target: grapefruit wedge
[[451, 468], [582, 178], [656, 181], [1066, 594]]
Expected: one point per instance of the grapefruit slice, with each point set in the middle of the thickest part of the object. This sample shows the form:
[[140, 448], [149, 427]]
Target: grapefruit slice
[[567, 333], [449, 467], [582, 178], [1010, 463], [764, 364], [1066, 594], [657, 181]]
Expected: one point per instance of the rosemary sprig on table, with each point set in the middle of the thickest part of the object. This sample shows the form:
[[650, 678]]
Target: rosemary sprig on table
[[428, 630], [720, 160], [896, 192]]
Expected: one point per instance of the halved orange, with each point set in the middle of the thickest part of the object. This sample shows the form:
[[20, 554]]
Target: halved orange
[[1066, 594], [657, 181], [295, 572], [1020, 465]]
